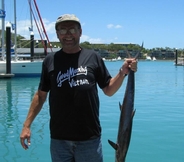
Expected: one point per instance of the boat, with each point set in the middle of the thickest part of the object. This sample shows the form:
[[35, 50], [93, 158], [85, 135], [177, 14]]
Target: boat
[[119, 58], [104, 59], [20, 67], [113, 59], [148, 58], [23, 68], [109, 60], [154, 59]]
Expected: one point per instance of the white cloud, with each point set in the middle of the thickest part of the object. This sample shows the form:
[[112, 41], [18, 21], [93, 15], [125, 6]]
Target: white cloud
[[91, 40], [110, 26], [23, 29], [113, 26], [118, 26], [84, 38]]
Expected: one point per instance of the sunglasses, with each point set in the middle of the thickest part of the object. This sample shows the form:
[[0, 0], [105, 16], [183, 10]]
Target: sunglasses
[[64, 31]]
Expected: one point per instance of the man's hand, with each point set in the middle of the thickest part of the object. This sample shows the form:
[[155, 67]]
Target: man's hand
[[25, 137]]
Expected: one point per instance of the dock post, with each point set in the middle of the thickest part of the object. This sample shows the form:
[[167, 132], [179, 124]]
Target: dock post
[[45, 48], [8, 54], [8, 49], [32, 46], [176, 62]]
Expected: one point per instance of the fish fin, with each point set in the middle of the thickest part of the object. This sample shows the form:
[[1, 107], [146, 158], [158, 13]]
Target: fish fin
[[114, 145], [120, 106], [133, 113]]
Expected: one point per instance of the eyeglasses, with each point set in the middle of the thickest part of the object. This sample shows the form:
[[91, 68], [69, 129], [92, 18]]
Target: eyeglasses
[[64, 31]]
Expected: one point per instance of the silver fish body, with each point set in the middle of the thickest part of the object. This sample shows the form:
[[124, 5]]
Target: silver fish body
[[126, 120]]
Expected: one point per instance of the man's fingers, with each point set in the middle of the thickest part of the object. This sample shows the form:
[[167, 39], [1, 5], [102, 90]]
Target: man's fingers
[[25, 137], [24, 145], [28, 141]]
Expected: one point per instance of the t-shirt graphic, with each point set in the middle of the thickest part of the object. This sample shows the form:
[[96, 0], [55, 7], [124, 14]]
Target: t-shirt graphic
[[70, 75]]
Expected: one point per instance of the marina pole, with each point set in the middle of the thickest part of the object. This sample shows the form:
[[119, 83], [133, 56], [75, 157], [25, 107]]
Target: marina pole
[[176, 63], [45, 49], [32, 46], [8, 49]]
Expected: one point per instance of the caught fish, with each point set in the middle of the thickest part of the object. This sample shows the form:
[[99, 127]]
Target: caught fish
[[126, 119]]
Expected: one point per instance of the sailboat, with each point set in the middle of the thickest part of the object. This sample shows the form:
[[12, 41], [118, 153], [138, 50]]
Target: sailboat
[[21, 67], [148, 58], [154, 59]]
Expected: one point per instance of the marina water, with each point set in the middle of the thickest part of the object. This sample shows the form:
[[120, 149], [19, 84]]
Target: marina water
[[158, 125]]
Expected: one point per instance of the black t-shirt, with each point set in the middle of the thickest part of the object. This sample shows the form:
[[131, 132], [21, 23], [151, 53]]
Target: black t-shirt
[[74, 103]]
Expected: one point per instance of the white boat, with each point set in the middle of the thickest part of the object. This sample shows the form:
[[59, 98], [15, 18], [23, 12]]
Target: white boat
[[109, 60], [154, 59], [148, 58], [21, 67], [113, 59], [119, 58]]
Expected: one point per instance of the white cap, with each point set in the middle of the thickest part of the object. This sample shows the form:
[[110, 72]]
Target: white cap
[[67, 17]]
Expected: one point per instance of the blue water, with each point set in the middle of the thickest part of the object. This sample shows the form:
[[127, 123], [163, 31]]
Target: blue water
[[158, 127]]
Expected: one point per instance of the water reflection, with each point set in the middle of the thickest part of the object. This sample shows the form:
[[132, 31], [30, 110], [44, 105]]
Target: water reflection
[[15, 97], [7, 117], [179, 71], [158, 122]]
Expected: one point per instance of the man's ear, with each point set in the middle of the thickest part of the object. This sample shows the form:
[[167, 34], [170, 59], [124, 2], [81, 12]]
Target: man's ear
[[57, 35], [80, 32]]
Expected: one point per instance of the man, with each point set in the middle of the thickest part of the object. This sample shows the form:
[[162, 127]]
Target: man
[[71, 76]]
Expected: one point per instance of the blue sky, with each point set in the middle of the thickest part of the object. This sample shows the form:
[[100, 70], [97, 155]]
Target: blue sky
[[159, 23]]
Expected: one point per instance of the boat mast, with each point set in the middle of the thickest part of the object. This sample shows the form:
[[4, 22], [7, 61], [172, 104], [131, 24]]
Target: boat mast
[[39, 25], [2, 30], [15, 30], [43, 28], [31, 18]]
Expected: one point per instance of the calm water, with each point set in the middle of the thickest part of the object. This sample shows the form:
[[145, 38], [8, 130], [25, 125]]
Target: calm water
[[158, 128]]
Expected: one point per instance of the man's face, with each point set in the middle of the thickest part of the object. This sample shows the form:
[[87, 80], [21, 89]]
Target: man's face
[[69, 34]]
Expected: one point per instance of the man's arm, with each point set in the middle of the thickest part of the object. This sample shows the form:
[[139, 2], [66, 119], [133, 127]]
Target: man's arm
[[116, 82], [35, 107]]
